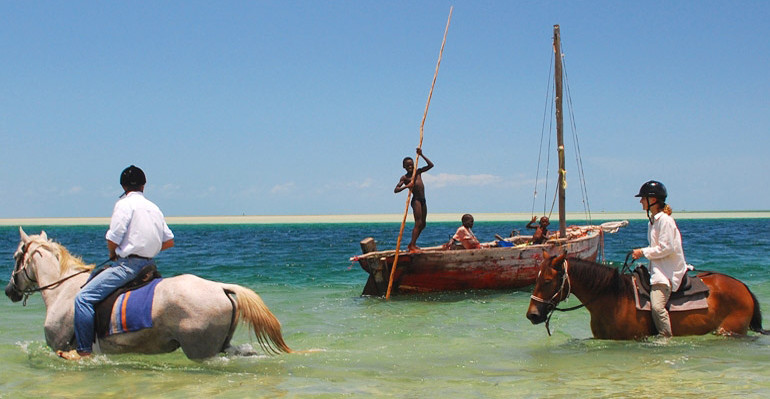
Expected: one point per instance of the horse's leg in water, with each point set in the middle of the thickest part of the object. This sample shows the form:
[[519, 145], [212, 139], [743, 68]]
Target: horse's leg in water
[[198, 314], [730, 309], [207, 334]]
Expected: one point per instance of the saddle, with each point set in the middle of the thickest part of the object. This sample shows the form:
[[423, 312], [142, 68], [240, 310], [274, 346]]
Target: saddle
[[692, 293], [104, 308]]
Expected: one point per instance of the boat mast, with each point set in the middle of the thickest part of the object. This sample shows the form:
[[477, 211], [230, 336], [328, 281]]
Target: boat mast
[[559, 131]]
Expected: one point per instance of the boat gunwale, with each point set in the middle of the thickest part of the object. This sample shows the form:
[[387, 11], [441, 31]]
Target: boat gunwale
[[440, 250]]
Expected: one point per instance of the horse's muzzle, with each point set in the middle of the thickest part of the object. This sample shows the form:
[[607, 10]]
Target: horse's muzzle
[[14, 294], [535, 315]]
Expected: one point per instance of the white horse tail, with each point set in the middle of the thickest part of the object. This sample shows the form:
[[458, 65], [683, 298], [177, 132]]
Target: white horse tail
[[252, 311]]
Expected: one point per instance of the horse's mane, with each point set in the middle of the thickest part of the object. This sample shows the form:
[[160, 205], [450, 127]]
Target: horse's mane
[[67, 261], [600, 278]]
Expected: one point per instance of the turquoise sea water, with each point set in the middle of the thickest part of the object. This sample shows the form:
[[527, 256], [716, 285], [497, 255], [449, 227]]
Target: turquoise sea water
[[468, 344]]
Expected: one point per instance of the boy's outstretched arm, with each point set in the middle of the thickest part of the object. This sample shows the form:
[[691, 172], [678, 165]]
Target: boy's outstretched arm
[[531, 224]]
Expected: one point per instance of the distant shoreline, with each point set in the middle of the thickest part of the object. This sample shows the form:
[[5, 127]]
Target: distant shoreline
[[375, 218]]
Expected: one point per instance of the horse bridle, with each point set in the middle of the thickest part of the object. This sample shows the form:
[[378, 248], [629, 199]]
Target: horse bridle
[[18, 268], [21, 266], [551, 303], [554, 301]]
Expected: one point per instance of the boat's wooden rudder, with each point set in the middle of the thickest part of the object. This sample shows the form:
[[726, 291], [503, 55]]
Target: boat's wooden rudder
[[376, 284]]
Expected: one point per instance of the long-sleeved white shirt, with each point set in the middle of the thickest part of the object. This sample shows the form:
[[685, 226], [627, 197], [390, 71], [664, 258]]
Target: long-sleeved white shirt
[[667, 263], [138, 226]]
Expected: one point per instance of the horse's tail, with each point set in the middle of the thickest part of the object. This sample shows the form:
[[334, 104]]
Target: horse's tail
[[756, 319], [252, 311]]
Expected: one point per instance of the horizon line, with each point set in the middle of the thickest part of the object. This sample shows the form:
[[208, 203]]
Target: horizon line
[[377, 218]]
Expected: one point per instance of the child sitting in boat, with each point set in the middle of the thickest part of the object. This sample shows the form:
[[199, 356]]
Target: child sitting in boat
[[541, 230], [464, 237]]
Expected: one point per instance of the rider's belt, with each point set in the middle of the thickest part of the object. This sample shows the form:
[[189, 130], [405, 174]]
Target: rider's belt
[[137, 256]]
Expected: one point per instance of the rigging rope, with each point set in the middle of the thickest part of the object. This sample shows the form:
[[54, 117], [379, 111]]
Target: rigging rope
[[578, 154], [576, 144], [546, 111]]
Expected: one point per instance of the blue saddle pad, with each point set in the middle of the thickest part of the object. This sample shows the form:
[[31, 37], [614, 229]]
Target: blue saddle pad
[[132, 310]]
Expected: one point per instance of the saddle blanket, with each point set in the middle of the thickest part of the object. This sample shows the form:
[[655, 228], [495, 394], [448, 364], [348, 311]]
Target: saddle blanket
[[132, 310], [690, 297]]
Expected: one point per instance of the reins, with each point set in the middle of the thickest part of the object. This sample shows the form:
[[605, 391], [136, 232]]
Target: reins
[[626, 265], [552, 303], [29, 291]]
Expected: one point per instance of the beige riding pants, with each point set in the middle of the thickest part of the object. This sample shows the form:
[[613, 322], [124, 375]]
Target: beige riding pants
[[658, 298]]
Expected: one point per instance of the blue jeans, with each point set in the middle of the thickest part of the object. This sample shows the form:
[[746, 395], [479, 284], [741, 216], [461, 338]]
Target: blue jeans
[[104, 284]]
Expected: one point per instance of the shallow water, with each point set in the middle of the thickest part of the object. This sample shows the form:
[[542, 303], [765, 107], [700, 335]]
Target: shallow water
[[468, 344]]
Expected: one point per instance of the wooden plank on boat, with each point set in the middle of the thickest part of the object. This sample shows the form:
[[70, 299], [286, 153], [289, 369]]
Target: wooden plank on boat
[[368, 245]]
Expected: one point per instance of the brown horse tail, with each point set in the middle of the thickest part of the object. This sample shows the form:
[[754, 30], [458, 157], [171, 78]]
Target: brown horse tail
[[253, 312], [756, 319]]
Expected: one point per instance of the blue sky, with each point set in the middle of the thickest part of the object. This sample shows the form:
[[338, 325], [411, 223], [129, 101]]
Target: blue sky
[[308, 107]]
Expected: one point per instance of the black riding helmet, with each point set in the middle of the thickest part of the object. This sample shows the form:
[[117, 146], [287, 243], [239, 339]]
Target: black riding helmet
[[132, 176], [653, 189], [132, 179]]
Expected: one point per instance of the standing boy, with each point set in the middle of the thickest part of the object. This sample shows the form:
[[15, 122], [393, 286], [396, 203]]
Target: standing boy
[[416, 186]]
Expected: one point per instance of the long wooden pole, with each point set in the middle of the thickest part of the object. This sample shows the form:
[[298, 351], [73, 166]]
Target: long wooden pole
[[417, 159], [559, 132]]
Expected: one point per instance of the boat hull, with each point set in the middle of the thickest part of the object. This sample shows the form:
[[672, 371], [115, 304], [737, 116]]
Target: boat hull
[[496, 268]]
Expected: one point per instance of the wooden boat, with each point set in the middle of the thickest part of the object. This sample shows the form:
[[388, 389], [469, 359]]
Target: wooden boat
[[436, 269], [513, 263]]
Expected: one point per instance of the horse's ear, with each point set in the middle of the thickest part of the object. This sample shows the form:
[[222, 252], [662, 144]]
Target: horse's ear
[[24, 236], [558, 262], [43, 235], [546, 255]]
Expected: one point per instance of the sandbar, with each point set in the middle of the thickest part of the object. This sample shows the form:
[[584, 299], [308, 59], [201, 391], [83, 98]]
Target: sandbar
[[378, 218]]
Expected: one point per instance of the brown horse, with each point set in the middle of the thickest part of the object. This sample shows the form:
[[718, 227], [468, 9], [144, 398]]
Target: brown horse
[[608, 295]]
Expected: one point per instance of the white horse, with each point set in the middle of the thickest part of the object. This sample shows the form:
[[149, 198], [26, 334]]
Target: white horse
[[198, 315]]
